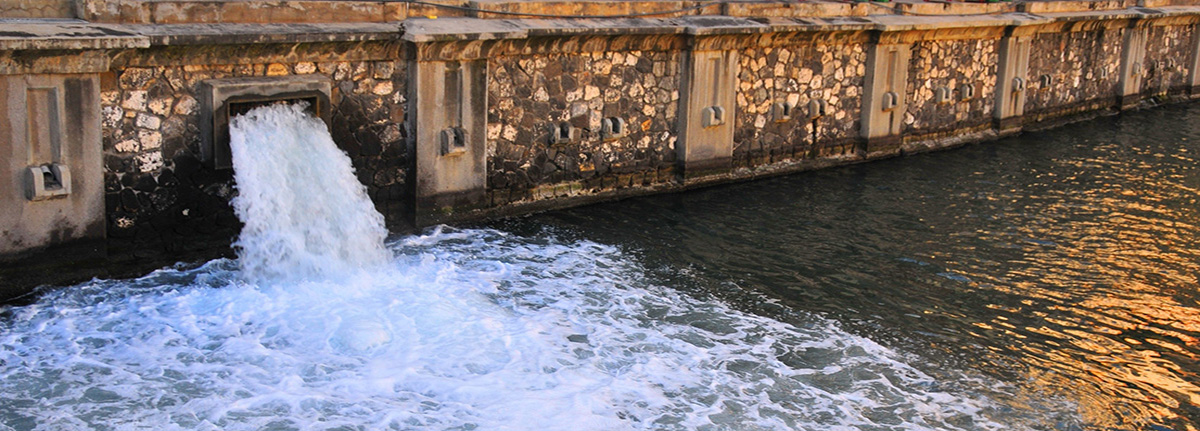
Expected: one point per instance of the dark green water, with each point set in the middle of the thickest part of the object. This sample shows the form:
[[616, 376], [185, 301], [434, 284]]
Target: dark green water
[[1063, 263]]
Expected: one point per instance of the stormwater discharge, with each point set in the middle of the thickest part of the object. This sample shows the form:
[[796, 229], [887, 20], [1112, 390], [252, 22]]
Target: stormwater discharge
[[305, 213], [320, 325]]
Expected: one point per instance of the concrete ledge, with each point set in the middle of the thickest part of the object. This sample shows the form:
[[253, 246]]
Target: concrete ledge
[[237, 34], [883, 147], [1165, 3], [968, 136], [1074, 5], [603, 27], [423, 30], [241, 11], [359, 11], [1101, 15], [796, 9], [502, 9], [25, 35], [958, 8]]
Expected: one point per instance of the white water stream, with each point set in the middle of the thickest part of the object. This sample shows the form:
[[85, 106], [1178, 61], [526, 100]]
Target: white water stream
[[320, 326]]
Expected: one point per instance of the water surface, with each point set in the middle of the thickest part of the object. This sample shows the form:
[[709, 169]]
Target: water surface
[[1045, 282], [1062, 262]]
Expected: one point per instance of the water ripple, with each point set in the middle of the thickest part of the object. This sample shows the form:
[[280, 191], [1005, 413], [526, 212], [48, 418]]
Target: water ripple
[[1063, 262]]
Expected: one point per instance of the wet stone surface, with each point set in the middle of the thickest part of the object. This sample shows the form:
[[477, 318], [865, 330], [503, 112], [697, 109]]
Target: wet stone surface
[[529, 96], [1081, 66], [1167, 65], [158, 192], [796, 75], [965, 70]]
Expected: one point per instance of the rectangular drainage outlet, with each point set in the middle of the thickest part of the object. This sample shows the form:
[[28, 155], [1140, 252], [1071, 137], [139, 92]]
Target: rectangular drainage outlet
[[223, 99]]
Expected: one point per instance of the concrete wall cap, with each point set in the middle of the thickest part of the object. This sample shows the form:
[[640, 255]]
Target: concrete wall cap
[[424, 30], [1101, 15], [24, 35], [242, 34], [902, 23], [717, 25], [601, 27], [780, 25]]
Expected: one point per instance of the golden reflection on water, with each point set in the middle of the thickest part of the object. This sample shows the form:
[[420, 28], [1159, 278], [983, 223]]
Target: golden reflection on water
[[1062, 266], [1098, 313]]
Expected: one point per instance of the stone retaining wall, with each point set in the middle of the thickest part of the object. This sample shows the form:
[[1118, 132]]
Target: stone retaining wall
[[1168, 49], [796, 69], [161, 196], [555, 113], [965, 70], [1081, 67], [532, 97]]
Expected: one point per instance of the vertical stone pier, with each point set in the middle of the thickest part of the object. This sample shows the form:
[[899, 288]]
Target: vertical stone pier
[[1011, 81], [884, 97], [707, 109], [51, 155], [1194, 63], [1133, 67], [449, 99], [54, 157]]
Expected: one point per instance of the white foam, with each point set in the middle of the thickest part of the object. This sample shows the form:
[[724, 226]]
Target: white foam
[[305, 213], [463, 330]]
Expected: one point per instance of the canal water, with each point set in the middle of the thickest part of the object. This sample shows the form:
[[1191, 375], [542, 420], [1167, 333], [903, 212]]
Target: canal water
[[1060, 264], [1045, 282]]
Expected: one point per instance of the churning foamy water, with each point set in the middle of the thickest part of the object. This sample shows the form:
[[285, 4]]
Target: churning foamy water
[[317, 326], [305, 213]]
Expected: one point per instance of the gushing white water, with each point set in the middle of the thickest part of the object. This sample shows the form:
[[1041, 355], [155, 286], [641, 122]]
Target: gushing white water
[[305, 213], [459, 330]]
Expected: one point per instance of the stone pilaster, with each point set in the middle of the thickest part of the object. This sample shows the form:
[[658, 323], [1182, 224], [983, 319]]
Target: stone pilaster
[[884, 100], [1010, 82], [706, 110], [1133, 67], [51, 165], [1194, 69], [449, 99]]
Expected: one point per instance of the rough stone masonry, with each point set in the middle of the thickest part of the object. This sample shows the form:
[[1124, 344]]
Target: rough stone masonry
[[463, 117]]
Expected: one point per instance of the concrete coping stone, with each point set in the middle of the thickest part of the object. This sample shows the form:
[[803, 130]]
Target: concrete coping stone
[[424, 30], [27, 34], [1102, 14], [717, 25], [210, 34], [902, 23], [421, 30], [1182, 10], [58, 35], [632, 26]]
